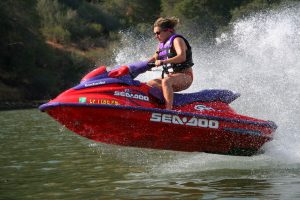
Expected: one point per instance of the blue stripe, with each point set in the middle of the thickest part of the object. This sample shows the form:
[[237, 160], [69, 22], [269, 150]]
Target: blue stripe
[[243, 131]]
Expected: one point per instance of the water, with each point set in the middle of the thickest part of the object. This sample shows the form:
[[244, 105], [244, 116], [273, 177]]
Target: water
[[259, 58], [41, 160]]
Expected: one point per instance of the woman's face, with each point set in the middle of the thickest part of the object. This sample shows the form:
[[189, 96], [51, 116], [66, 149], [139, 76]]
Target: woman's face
[[161, 34]]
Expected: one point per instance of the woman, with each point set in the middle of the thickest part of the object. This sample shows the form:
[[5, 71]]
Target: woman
[[172, 49]]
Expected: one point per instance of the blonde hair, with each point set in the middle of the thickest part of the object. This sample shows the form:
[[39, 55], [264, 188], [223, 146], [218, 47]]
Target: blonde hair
[[167, 22]]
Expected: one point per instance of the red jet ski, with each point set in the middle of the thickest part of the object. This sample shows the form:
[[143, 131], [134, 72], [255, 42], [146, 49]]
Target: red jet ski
[[124, 111]]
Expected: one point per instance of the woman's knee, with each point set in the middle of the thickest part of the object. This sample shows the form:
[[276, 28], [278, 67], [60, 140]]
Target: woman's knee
[[154, 83]]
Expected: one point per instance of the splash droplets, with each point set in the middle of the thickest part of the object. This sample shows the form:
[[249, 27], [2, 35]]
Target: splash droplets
[[258, 58]]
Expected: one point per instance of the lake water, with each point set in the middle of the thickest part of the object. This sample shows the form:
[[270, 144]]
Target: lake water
[[40, 159]]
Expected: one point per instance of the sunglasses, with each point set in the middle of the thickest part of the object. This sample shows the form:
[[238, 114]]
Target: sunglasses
[[158, 32]]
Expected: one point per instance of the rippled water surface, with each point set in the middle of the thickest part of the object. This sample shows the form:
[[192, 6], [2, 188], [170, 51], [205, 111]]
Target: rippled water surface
[[41, 160]]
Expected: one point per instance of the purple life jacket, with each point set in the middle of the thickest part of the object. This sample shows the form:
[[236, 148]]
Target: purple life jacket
[[166, 50]]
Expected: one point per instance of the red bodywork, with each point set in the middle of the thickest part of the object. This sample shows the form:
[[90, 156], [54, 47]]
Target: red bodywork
[[130, 115]]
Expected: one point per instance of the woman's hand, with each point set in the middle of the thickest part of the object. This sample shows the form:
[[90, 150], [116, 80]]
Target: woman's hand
[[159, 62]]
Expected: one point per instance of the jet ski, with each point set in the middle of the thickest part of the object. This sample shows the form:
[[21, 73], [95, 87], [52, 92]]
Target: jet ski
[[121, 110]]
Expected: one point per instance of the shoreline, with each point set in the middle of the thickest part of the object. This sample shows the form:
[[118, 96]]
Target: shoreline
[[17, 105]]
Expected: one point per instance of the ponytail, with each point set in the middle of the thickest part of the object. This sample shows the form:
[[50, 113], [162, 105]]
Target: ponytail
[[166, 23]]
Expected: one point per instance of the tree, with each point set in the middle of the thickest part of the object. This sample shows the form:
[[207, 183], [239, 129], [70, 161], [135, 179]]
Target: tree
[[133, 12], [204, 17], [250, 6]]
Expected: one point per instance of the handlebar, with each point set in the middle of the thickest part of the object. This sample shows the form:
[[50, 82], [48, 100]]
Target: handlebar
[[165, 68], [151, 64]]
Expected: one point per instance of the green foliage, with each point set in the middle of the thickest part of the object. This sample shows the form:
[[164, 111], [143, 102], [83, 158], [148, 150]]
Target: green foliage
[[54, 20], [75, 22], [248, 7], [57, 34], [29, 69], [132, 12], [204, 17]]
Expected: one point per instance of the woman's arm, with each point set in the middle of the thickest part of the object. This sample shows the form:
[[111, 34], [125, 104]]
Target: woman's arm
[[154, 57], [180, 48]]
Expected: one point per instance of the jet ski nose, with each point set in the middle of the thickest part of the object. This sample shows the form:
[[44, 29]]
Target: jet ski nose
[[98, 71]]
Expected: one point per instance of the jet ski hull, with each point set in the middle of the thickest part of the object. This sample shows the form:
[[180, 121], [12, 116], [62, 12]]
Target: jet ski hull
[[163, 129]]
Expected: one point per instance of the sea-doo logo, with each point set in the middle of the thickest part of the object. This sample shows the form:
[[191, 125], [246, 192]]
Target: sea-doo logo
[[175, 119], [129, 94], [202, 107]]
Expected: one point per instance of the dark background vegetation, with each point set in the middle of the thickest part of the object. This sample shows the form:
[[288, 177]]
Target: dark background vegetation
[[47, 45]]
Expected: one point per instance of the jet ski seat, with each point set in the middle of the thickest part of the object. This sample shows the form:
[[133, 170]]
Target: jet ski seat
[[210, 95]]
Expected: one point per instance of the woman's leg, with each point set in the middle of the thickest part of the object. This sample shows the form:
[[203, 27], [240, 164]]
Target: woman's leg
[[174, 82], [155, 83], [181, 81], [167, 89]]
